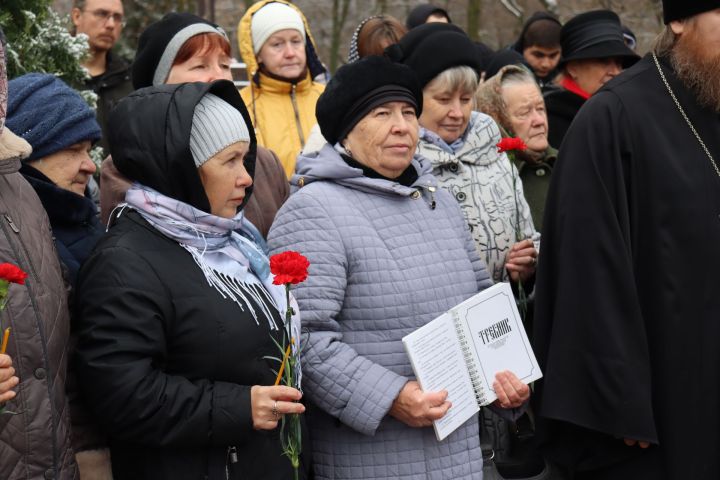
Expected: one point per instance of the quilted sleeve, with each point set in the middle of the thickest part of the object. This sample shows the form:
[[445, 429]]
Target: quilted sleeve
[[336, 378]]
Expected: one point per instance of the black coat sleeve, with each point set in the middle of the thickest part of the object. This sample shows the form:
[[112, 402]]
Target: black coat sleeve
[[590, 332], [123, 316]]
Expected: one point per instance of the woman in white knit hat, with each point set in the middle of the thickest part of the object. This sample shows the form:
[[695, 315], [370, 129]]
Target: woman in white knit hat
[[280, 54], [178, 316]]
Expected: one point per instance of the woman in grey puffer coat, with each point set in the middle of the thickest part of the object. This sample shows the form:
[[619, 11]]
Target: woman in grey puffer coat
[[388, 252]]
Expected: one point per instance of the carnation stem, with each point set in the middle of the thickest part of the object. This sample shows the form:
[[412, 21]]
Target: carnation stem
[[6, 336], [284, 361]]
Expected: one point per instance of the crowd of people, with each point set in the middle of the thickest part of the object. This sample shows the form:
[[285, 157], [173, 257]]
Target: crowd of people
[[144, 343]]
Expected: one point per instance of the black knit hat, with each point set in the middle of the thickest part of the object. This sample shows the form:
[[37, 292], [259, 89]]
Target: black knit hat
[[595, 34], [679, 9], [357, 88], [160, 37], [432, 48]]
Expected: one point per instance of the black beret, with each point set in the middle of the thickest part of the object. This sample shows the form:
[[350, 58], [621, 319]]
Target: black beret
[[680, 9], [153, 42], [432, 48], [358, 87]]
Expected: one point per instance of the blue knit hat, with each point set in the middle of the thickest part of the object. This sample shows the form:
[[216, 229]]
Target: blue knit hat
[[47, 113]]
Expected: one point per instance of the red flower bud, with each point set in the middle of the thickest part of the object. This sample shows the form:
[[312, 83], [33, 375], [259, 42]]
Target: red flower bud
[[12, 274], [509, 143], [289, 267]]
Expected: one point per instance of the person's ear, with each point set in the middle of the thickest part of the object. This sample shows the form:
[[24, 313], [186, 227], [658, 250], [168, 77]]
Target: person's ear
[[571, 69], [677, 26], [75, 16]]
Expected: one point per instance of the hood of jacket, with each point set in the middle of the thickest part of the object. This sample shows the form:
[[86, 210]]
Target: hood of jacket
[[519, 45], [149, 136], [328, 165], [64, 208], [244, 38]]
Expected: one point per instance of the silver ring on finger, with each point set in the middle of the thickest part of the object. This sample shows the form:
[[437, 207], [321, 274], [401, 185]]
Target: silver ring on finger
[[275, 412]]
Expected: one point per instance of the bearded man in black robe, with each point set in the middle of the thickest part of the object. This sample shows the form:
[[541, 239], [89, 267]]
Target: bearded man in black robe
[[628, 289]]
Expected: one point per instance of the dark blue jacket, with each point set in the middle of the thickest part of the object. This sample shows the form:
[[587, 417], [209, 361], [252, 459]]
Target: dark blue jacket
[[73, 218]]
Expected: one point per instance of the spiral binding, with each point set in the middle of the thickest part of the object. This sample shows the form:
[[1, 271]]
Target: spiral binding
[[472, 370]]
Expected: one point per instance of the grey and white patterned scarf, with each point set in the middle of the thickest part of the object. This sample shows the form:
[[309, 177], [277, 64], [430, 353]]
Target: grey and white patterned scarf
[[229, 251]]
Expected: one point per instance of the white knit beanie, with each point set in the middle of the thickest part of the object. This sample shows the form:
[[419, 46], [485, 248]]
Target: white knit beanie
[[215, 125], [272, 18]]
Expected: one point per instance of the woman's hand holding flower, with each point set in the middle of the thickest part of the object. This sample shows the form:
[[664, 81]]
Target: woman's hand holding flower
[[511, 392], [416, 408], [269, 404], [8, 380], [521, 260]]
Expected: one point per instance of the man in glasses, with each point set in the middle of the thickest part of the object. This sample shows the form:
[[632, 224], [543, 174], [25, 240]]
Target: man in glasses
[[102, 21]]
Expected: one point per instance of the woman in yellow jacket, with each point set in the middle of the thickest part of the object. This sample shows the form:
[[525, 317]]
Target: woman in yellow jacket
[[276, 45]]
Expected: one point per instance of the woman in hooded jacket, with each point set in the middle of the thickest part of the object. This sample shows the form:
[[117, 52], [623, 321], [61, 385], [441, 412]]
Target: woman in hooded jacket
[[279, 51], [178, 314]]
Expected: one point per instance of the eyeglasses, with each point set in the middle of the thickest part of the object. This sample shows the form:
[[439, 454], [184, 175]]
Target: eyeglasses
[[104, 15]]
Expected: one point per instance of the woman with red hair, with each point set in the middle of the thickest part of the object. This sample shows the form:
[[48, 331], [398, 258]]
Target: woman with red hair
[[181, 48]]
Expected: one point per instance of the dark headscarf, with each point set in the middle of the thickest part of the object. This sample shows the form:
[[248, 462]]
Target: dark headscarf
[[420, 14], [519, 46]]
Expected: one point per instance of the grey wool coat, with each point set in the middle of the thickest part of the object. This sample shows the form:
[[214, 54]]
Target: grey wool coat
[[382, 264]]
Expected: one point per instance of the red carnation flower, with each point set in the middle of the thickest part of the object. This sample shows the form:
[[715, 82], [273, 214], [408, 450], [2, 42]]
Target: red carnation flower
[[289, 267], [508, 144], [12, 274]]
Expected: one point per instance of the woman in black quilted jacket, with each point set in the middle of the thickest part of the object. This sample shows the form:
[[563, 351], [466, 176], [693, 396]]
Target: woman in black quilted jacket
[[179, 314]]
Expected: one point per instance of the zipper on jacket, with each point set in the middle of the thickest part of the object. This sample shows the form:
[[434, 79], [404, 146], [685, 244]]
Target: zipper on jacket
[[293, 99], [231, 458], [432, 189], [33, 301], [11, 224], [16, 230]]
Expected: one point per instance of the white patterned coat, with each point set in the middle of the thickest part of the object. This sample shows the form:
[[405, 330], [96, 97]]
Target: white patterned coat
[[487, 187]]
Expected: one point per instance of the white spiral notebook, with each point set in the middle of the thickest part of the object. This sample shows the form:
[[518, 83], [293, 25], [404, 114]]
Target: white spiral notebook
[[462, 350]]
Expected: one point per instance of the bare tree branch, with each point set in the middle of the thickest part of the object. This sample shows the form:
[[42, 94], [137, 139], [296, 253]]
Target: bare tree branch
[[340, 10], [512, 7], [550, 5]]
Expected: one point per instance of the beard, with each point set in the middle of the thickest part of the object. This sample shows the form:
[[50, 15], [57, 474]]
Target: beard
[[698, 68]]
